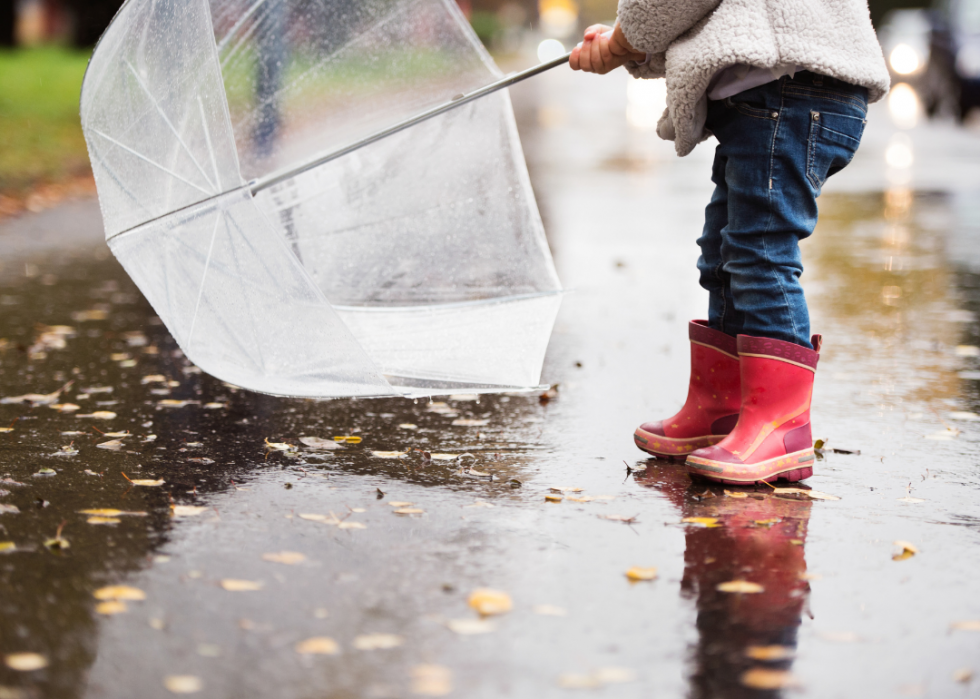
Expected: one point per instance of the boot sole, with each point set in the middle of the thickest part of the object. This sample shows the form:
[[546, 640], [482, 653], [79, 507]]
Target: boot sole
[[671, 447], [793, 467]]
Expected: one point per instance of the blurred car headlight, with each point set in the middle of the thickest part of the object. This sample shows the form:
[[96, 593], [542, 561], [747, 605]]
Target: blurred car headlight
[[905, 60], [968, 61]]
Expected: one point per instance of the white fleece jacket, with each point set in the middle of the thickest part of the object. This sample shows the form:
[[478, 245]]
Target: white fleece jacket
[[691, 40]]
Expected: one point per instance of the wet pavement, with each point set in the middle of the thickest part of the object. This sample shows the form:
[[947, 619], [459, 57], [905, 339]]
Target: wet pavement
[[893, 277]]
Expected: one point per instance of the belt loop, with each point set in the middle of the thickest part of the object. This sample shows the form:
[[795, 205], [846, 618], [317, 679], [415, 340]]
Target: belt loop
[[817, 80]]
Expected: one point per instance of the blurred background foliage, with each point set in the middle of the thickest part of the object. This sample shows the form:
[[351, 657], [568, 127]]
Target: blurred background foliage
[[44, 46]]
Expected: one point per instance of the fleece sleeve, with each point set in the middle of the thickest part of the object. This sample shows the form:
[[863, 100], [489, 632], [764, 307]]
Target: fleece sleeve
[[652, 25]]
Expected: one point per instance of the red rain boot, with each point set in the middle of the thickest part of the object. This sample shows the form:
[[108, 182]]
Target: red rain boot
[[711, 410], [772, 438]]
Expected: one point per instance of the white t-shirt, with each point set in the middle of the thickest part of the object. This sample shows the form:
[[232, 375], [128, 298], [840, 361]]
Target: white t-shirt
[[741, 77]]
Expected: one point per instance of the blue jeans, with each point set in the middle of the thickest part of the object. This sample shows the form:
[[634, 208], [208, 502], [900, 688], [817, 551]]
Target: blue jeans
[[777, 145]]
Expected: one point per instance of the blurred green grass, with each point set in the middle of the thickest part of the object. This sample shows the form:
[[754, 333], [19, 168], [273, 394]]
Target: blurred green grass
[[40, 134]]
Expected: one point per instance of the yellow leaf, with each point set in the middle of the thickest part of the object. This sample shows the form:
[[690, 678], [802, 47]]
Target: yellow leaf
[[25, 662], [431, 680], [109, 512], [408, 426], [233, 585], [708, 522], [100, 415], [812, 494], [289, 558], [6, 429], [112, 445], [119, 592], [443, 457], [584, 498], [553, 498], [378, 641], [469, 627], [741, 586], [351, 525], [762, 678], [908, 550], [489, 602], [153, 378], [7, 547], [172, 403], [65, 407], [400, 503], [408, 511], [350, 439], [110, 607], [183, 684], [103, 520], [565, 489], [466, 422], [637, 573], [279, 446], [769, 652], [388, 454], [146, 482], [318, 645], [737, 494]]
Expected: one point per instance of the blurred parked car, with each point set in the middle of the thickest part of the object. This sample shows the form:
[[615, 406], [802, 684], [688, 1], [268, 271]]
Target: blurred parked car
[[905, 36]]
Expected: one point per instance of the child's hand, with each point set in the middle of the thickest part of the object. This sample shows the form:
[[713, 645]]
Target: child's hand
[[603, 49]]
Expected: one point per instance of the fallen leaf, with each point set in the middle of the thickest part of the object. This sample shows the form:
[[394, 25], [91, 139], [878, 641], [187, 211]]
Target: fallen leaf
[[470, 627], [318, 443], [183, 684], [401, 503], [565, 489], [153, 378], [549, 610], [99, 415], [767, 522], [708, 522], [812, 494], [388, 454], [9, 509], [737, 494], [964, 675], [350, 439], [171, 403], [944, 435], [578, 681], [769, 652], [145, 482], [119, 592], [91, 314], [443, 457], [112, 445], [289, 558], [110, 607], [25, 662], [489, 602], [972, 625], [377, 641], [636, 573], [553, 498], [465, 422], [65, 407], [351, 525], [740, 586], [318, 645], [57, 543], [214, 406], [103, 520], [325, 519], [279, 446], [964, 416], [909, 498], [584, 498], [186, 510], [46, 472], [4, 430], [763, 678], [431, 680], [614, 675], [908, 550], [7, 547], [233, 585], [408, 511], [408, 426]]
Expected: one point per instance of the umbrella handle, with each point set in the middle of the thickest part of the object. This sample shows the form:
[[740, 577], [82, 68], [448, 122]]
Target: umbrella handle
[[275, 178]]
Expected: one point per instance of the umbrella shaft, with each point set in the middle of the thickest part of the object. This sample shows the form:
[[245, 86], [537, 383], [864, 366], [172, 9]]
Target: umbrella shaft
[[275, 178]]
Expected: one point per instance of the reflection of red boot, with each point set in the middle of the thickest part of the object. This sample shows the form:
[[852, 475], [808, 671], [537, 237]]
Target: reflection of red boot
[[711, 410], [772, 439]]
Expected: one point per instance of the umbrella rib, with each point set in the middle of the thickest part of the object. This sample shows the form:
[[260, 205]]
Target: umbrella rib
[[115, 178], [245, 296], [204, 276], [151, 162], [238, 25], [207, 138], [166, 120]]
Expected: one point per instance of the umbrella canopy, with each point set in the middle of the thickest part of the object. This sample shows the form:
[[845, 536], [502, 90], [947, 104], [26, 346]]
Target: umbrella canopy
[[414, 265]]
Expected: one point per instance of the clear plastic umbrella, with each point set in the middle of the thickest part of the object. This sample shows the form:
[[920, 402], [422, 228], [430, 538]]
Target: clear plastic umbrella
[[312, 198]]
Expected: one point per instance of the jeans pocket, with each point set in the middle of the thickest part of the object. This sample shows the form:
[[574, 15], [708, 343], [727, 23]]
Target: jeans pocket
[[833, 141]]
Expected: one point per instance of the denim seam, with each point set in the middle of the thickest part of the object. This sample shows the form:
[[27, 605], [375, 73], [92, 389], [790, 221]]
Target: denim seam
[[765, 237], [810, 147]]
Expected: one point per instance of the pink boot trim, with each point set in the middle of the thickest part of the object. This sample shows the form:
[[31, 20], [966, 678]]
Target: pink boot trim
[[713, 398]]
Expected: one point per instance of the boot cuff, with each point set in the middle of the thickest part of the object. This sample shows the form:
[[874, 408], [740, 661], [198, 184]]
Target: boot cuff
[[698, 331], [778, 349]]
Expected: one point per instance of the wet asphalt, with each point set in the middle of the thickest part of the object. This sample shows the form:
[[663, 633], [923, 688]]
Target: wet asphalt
[[893, 278]]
